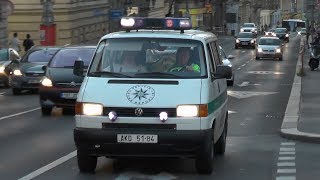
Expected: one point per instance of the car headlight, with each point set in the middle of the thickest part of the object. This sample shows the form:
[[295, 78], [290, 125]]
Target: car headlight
[[17, 72], [237, 41], [259, 49], [241, 30], [192, 110], [46, 82], [252, 41], [2, 69], [92, 109], [287, 35], [278, 50]]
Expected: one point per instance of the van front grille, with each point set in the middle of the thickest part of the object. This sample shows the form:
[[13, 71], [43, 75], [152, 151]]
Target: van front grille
[[146, 112]]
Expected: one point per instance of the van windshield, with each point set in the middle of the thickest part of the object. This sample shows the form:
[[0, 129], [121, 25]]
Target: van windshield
[[149, 58]]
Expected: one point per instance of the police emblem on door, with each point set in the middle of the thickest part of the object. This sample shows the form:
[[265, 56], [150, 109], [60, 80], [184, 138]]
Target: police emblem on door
[[140, 94]]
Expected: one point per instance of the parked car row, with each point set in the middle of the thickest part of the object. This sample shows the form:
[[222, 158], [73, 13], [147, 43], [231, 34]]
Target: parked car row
[[47, 70]]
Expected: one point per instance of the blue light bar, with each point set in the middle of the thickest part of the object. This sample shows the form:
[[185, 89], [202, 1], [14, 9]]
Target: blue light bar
[[136, 23]]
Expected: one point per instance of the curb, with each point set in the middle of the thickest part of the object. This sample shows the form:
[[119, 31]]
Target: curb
[[289, 128]]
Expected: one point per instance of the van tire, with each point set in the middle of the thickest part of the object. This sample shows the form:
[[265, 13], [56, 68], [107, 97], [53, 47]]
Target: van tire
[[46, 111], [86, 163], [204, 161], [220, 146]]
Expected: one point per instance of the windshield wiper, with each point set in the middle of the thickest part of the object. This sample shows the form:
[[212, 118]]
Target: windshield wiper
[[157, 74], [114, 74]]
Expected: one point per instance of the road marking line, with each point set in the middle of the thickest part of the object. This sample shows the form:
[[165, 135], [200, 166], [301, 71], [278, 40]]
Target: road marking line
[[17, 114], [286, 158], [287, 153], [288, 143], [286, 178], [286, 171], [243, 65], [238, 68], [281, 164], [49, 166], [287, 149]]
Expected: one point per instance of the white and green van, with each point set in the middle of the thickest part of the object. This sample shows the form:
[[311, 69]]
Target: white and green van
[[146, 110]]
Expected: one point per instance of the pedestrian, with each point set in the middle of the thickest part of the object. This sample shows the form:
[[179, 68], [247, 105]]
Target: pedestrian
[[28, 43], [15, 42]]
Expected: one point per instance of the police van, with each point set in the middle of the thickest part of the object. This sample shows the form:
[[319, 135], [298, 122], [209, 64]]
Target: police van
[[156, 89]]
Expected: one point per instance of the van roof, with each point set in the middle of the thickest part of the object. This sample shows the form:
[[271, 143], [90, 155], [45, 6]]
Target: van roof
[[174, 34]]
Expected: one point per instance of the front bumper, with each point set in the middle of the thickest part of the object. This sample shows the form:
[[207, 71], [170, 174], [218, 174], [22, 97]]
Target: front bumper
[[245, 44], [52, 96], [25, 82], [171, 142], [268, 55]]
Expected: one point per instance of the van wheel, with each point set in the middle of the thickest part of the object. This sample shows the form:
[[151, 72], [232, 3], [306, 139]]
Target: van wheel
[[280, 59], [257, 58], [46, 111], [16, 91], [68, 111], [220, 146], [204, 161], [86, 163], [230, 83]]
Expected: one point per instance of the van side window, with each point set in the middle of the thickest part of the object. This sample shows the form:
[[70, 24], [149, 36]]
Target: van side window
[[215, 52], [211, 60]]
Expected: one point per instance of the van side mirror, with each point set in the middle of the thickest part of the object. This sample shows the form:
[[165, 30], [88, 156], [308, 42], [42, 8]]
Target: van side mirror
[[223, 72], [78, 68]]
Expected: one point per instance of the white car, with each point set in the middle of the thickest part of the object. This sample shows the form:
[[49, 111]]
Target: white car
[[249, 27], [269, 47]]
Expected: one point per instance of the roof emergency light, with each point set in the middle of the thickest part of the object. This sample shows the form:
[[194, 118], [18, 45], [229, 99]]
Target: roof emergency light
[[136, 23]]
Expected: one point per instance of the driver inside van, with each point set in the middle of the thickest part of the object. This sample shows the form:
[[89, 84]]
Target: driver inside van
[[128, 63], [183, 64]]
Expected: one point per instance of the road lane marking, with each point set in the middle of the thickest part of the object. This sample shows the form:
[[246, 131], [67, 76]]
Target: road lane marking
[[247, 94], [286, 161], [285, 158], [286, 178], [49, 166], [243, 65], [137, 175], [265, 72], [17, 114], [281, 164], [1, 94], [291, 171]]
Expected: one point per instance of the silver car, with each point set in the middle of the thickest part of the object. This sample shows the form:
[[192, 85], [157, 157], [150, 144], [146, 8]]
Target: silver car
[[269, 47], [226, 61]]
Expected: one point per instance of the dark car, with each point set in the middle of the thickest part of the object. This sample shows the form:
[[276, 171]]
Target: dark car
[[59, 87], [7, 56], [282, 33], [245, 39], [226, 61], [26, 74]]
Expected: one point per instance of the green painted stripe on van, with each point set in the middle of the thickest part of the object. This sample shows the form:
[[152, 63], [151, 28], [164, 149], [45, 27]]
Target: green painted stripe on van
[[216, 103]]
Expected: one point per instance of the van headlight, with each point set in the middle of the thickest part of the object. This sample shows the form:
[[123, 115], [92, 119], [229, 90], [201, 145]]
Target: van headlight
[[192, 111], [17, 72], [252, 41], [2, 69], [46, 82], [92, 109], [278, 50], [259, 50], [241, 30], [287, 35]]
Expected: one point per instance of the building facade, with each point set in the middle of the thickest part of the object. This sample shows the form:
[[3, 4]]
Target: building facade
[[77, 21]]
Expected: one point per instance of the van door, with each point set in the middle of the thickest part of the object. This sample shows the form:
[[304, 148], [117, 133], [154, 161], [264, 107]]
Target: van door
[[217, 85]]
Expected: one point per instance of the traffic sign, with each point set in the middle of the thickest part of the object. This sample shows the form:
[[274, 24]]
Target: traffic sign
[[115, 13]]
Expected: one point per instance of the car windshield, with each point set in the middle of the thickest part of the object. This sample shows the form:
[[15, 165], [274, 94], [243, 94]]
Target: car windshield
[[248, 25], [281, 30], [149, 58], [245, 35], [4, 55], [273, 42], [41, 55], [67, 57]]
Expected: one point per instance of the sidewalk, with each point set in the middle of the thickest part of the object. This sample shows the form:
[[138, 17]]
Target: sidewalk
[[302, 116]]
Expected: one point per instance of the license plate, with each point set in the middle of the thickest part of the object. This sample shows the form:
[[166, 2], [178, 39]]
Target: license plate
[[33, 81], [69, 95], [137, 138], [244, 43]]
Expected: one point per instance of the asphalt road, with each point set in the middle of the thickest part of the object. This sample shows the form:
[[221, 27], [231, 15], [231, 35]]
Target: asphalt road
[[32, 146]]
